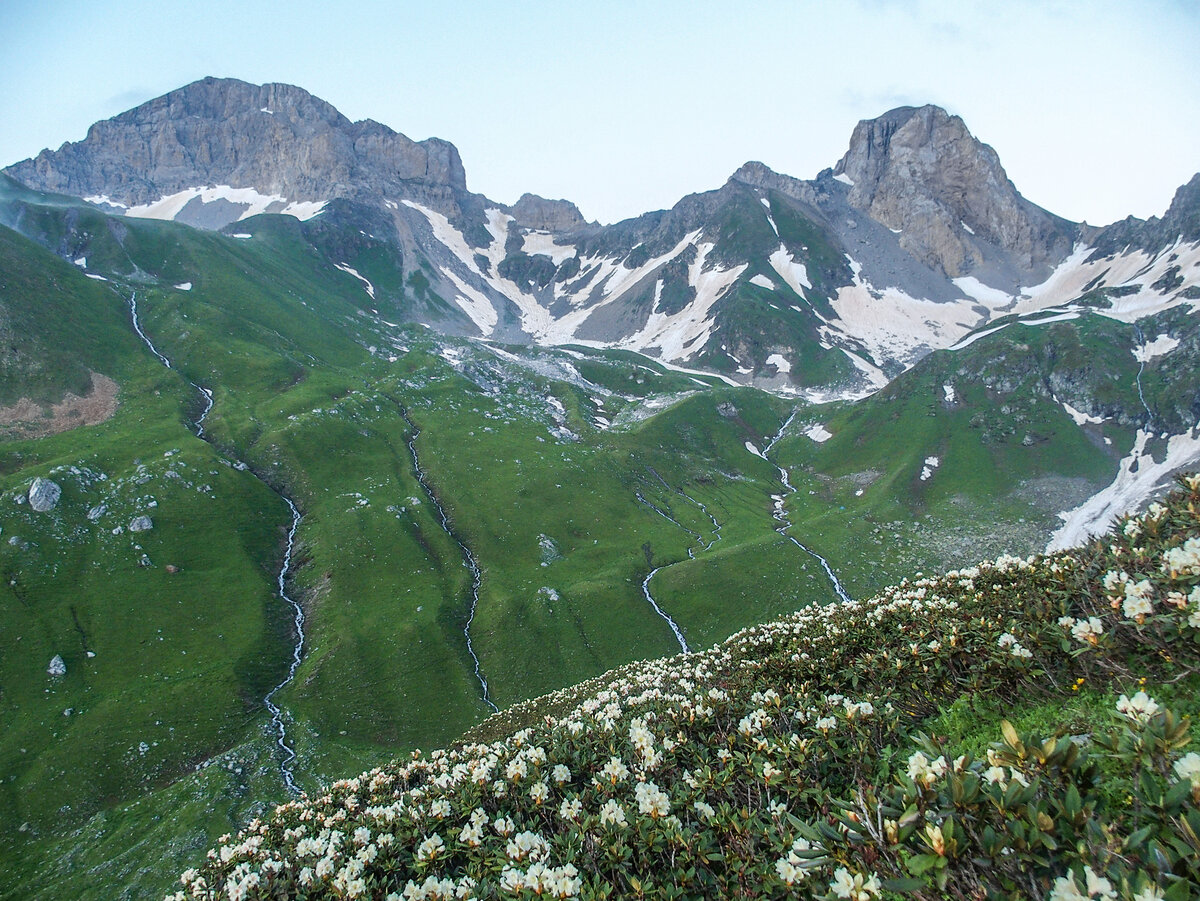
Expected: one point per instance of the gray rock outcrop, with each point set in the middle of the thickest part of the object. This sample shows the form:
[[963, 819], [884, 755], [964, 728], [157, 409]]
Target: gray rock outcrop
[[141, 524], [536, 212], [44, 495], [57, 667], [920, 171]]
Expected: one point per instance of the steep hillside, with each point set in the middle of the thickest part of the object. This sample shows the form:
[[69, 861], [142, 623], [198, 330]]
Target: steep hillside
[[835, 753]]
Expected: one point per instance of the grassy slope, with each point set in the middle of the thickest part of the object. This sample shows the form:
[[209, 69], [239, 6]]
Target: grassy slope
[[805, 729]]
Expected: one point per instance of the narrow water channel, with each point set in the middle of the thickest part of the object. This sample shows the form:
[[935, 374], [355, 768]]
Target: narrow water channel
[[780, 513], [468, 558], [288, 754]]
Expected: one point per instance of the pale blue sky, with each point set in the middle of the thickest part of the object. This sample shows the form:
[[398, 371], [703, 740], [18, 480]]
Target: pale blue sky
[[623, 107]]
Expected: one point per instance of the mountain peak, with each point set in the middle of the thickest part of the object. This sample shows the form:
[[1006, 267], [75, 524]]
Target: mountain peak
[[276, 139], [920, 172]]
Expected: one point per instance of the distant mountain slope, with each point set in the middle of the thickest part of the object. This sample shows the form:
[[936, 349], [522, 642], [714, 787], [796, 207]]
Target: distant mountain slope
[[825, 288]]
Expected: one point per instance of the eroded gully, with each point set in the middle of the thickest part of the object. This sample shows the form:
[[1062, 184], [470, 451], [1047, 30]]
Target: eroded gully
[[468, 558], [278, 724]]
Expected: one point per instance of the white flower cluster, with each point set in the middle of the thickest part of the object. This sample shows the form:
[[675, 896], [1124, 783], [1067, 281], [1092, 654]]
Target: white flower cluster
[[1085, 631], [1008, 640], [1140, 708], [1183, 561], [924, 771], [1098, 888]]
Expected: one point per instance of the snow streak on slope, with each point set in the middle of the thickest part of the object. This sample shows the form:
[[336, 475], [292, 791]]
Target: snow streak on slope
[[351, 271], [791, 271], [255, 203], [1138, 476], [680, 335]]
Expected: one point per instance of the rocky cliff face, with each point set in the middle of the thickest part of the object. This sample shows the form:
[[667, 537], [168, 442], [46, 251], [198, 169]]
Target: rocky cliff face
[[277, 139], [919, 171], [539, 213]]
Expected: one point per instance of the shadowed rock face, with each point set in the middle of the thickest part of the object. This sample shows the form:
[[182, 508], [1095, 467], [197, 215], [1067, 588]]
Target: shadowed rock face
[[920, 171], [275, 138]]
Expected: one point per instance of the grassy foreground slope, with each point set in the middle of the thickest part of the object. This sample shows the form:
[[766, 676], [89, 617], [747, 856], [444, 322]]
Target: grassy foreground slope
[[837, 753]]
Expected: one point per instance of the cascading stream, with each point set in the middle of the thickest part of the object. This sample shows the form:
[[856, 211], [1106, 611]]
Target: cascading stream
[[277, 719], [1141, 358], [289, 755], [468, 557], [785, 525]]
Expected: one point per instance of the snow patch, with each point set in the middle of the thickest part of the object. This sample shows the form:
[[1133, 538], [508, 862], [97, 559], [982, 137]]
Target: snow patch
[[172, 205], [81, 262], [931, 463], [791, 270], [1160, 346], [183, 286], [99, 278], [1138, 476], [105, 200], [762, 281], [844, 179], [242, 236], [948, 390], [990, 297], [779, 363], [1080, 417], [750, 446], [966, 228], [818, 433], [540, 243]]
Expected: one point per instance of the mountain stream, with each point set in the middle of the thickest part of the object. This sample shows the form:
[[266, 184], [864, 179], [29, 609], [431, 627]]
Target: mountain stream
[[468, 558], [781, 515], [288, 758]]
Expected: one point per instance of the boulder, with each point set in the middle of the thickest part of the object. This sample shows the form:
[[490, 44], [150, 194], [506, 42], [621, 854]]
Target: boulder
[[44, 495], [57, 667], [141, 524]]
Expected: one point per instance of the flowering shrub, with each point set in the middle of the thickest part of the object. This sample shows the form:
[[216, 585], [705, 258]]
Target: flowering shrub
[[787, 762]]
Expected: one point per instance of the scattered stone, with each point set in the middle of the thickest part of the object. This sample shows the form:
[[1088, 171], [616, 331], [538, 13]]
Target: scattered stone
[[44, 495], [171, 568], [96, 512], [68, 711], [57, 667], [141, 524]]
